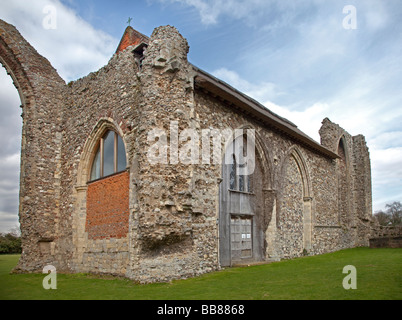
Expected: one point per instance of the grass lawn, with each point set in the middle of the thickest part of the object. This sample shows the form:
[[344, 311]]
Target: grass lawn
[[379, 276]]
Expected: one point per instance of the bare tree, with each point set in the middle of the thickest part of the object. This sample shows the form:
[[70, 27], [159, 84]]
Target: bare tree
[[394, 210], [392, 215], [382, 218]]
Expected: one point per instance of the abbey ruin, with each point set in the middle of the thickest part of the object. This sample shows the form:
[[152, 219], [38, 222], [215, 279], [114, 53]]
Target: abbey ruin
[[92, 201]]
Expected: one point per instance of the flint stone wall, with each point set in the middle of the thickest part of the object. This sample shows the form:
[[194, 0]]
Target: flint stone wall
[[310, 203]]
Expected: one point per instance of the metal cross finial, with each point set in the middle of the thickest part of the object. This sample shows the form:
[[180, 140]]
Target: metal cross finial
[[129, 21]]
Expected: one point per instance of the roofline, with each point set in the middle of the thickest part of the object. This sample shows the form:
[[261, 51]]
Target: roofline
[[139, 38], [256, 110]]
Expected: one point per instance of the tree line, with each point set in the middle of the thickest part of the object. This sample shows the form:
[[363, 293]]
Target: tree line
[[10, 242], [392, 216]]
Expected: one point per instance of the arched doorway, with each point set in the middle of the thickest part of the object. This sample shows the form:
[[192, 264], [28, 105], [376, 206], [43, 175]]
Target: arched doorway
[[243, 214]]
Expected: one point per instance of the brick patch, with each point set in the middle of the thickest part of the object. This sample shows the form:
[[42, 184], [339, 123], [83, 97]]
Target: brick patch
[[108, 207]]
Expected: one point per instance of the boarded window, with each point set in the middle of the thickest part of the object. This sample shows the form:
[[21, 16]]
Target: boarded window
[[241, 237]]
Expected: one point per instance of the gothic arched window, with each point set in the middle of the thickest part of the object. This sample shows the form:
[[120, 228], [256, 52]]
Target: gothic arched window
[[110, 156], [237, 181]]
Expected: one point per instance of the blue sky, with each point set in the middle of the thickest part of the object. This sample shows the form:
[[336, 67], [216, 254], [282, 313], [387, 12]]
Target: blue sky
[[295, 57]]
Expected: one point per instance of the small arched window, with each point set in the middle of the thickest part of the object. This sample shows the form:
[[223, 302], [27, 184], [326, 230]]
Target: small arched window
[[110, 156]]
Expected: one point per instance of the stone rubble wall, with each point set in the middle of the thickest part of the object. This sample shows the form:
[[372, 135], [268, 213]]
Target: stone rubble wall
[[108, 99], [42, 96], [357, 191], [172, 237], [309, 203]]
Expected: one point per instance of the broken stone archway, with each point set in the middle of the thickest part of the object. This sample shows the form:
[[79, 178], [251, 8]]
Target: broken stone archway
[[40, 89]]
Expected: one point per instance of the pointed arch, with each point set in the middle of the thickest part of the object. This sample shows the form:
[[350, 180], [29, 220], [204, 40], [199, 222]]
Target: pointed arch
[[30, 71], [261, 153], [343, 146], [250, 206], [81, 233], [302, 165], [89, 151], [296, 199], [265, 157], [343, 167]]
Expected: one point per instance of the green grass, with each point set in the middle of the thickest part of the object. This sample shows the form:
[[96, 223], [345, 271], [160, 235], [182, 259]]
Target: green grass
[[379, 277]]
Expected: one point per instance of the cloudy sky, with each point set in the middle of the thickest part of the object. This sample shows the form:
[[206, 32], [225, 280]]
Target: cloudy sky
[[305, 60]]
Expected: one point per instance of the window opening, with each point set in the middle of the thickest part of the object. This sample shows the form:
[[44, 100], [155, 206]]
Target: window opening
[[233, 175], [110, 156], [238, 182]]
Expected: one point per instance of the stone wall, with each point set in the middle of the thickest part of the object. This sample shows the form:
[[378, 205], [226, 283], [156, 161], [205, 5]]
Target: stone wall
[[172, 237], [108, 99], [318, 229], [168, 211], [387, 242], [41, 91], [290, 221], [354, 186], [378, 231]]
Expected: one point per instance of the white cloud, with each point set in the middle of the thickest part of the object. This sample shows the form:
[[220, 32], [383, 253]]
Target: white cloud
[[376, 17], [260, 92], [308, 120], [211, 10], [8, 222], [74, 47], [9, 190], [10, 120], [390, 139], [386, 165], [10, 138], [371, 14]]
